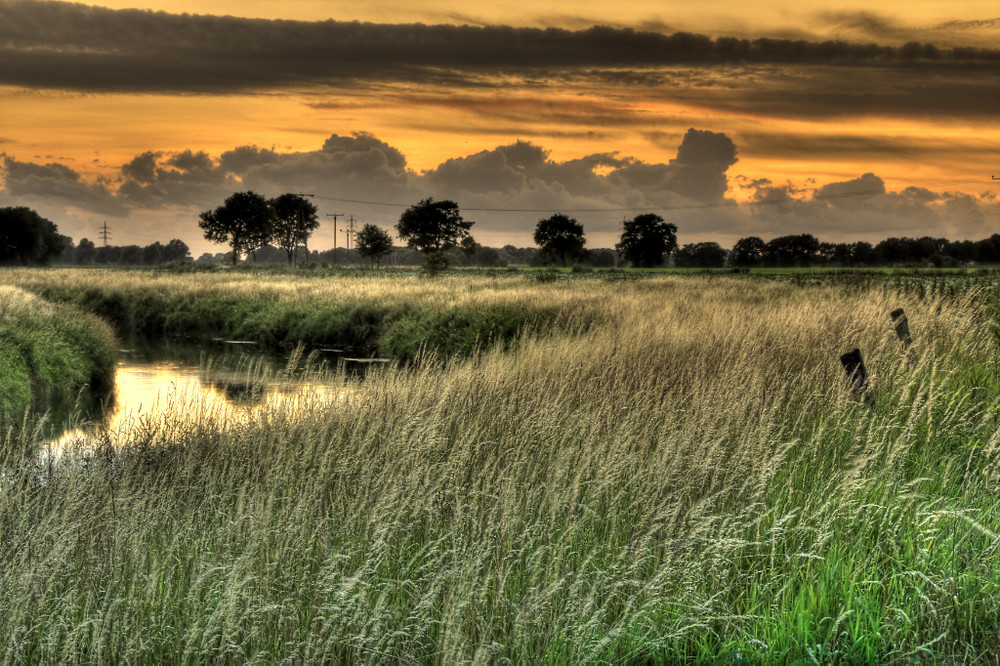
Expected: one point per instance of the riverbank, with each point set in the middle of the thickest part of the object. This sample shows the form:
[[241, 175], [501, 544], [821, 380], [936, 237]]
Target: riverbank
[[397, 315], [50, 353]]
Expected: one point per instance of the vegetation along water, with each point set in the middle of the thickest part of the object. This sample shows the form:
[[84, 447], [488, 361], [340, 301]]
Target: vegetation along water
[[51, 352], [590, 470]]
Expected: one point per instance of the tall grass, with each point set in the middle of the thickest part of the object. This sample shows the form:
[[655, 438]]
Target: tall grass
[[48, 353], [688, 478], [394, 315]]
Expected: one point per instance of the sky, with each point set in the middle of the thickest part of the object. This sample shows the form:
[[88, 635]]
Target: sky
[[727, 118]]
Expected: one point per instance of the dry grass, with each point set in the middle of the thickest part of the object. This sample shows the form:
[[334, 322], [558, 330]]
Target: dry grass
[[682, 474]]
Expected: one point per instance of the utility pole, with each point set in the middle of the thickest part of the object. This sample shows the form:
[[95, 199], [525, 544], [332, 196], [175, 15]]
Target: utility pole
[[350, 232], [105, 233], [335, 216]]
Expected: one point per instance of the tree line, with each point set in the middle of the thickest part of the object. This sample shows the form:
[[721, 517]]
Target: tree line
[[437, 235]]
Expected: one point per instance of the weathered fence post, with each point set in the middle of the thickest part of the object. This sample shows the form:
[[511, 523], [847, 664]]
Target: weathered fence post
[[902, 327], [857, 374]]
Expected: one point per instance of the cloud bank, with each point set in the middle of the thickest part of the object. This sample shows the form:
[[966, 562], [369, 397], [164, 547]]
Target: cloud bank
[[58, 45], [506, 189]]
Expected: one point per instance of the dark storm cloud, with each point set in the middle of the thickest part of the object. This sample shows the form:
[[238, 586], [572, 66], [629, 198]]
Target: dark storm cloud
[[847, 147], [824, 92], [505, 189], [32, 182], [77, 47]]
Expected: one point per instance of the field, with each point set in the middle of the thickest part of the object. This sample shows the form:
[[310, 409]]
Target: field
[[592, 470]]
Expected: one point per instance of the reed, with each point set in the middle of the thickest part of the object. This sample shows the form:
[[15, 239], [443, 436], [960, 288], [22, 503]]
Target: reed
[[679, 474]]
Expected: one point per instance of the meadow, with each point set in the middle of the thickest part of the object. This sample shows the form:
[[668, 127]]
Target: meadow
[[644, 471]]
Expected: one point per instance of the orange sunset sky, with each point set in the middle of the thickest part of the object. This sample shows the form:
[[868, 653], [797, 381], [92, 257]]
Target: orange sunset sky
[[857, 122]]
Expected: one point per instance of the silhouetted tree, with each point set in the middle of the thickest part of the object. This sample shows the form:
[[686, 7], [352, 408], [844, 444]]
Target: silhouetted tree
[[176, 250], [560, 236], [747, 253], [489, 257], [295, 218], [153, 254], [647, 240], [470, 248], [374, 243], [433, 227], [28, 238], [796, 250], [85, 252], [519, 255], [245, 221], [863, 254], [701, 255], [988, 250], [602, 258]]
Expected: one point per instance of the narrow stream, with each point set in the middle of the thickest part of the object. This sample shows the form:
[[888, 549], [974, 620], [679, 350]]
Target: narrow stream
[[182, 379]]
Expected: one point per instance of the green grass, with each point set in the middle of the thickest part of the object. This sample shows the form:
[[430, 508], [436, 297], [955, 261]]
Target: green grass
[[399, 314], [679, 474], [49, 354]]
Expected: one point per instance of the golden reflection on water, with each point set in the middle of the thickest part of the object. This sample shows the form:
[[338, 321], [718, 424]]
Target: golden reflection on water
[[147, 392]]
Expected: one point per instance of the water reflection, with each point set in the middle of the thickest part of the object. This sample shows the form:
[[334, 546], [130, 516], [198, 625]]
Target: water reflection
[[172, 379]]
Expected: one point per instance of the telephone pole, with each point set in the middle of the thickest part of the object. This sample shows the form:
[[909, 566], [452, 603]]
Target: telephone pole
[[335, 216]]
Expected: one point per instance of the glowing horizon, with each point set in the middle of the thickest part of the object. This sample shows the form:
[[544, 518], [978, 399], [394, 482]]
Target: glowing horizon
[[121, 113]]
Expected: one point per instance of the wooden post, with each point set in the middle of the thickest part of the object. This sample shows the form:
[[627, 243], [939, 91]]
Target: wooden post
[[857, 374], [902, 327]]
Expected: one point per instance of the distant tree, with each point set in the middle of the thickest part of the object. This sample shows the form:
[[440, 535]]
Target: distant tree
[[153, 254], [911, 250], [560, 237], [295, 218], [374, 243], [602, 258], [518, 255], [245, 221], [893, 250], [270, 255], [988, 250], [747, 253], [130, 255], [28, 238], [433, 227], [647, 240], [176, 250], [796, 250], [489, 257], [470, 248], [863, 254], [85, 252], [701, 255]]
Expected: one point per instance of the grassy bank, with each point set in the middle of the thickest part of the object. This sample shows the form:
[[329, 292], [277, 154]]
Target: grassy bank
[[395, 315], [50, 352], [687, 479]]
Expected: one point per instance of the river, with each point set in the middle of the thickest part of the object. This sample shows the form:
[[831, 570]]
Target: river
[[178, 379]]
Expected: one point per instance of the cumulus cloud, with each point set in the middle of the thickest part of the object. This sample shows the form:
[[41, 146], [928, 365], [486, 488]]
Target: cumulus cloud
[[505, 189], [58, 182]]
